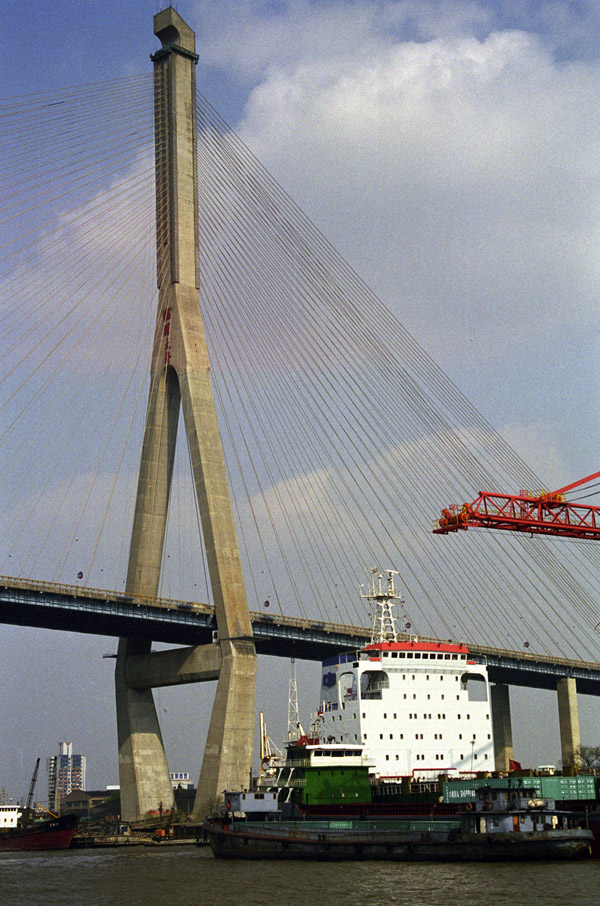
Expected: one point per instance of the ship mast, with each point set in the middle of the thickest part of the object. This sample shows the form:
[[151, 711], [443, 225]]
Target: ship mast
[[384, 597], [294, 728]]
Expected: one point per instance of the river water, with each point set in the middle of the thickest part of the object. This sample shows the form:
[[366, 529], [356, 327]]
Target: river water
[[189, 876]]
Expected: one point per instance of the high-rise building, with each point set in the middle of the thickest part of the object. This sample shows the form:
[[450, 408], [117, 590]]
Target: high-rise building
[[66, 772]]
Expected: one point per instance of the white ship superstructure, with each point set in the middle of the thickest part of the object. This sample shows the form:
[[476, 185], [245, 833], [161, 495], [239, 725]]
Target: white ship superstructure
[[9, 815], [417, 707]]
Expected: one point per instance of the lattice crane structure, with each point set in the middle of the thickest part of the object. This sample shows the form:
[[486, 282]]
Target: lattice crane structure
[[541, 513]]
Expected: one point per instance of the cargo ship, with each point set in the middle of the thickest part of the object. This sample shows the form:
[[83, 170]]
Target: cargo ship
[[404, 730], [18, 830]]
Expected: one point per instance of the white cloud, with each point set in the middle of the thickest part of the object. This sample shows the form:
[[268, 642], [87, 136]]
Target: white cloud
[[457, 173]]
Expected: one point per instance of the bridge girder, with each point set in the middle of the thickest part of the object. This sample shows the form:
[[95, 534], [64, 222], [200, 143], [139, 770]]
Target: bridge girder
[[69, 608]]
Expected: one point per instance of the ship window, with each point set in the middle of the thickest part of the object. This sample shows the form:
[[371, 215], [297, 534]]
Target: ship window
[[391, 735], [460, 735], [397, 758], [410, 654], [402, 736], [442, 695], [372, 682], [395, 716], [424, 655], [476, 686], [364, 714], [417, 655], [387, 757], [381, 735], [385, 716], [394, 654], [427, 676], [454, 657]]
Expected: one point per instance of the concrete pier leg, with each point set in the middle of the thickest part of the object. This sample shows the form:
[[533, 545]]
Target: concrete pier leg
[[143, 770], [568, 717], [229, 746], [503, 744]]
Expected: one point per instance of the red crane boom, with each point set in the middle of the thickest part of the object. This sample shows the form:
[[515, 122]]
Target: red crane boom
[[545, 513]]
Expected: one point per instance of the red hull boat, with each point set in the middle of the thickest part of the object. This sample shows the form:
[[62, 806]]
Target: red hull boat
[[56, 833]]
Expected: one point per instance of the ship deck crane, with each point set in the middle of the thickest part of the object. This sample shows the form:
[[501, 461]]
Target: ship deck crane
[[32, 785], [541, 513]]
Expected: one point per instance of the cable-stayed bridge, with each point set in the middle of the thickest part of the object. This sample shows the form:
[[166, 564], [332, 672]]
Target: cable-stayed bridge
[[88, 610], [341, 437]]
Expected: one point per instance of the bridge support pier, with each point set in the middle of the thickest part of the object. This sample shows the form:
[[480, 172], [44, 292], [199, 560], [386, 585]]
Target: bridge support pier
[[143, 771], [502, 728], [180, 379], [229, 746], [568, 717]]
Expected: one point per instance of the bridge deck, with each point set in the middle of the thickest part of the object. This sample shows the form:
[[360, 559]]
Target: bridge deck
[[68, 608]]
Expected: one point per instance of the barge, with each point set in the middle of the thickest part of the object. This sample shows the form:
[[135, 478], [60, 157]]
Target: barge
[[505, 825]]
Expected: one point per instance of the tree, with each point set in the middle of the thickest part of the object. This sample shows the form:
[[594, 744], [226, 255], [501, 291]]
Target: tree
[[587, 758]]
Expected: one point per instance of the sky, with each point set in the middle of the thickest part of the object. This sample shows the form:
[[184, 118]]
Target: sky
[[450, 152]]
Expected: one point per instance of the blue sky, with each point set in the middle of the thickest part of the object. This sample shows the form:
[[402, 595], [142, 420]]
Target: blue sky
[[449, 150]]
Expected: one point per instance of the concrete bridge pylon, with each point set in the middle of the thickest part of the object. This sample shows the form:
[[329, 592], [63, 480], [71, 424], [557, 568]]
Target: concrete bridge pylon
[[180, 380]]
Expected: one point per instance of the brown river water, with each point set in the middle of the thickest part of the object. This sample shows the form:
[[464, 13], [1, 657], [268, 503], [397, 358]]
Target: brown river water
[[189, 876]]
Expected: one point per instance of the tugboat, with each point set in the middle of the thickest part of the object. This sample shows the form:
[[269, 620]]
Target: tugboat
[[19, 830]]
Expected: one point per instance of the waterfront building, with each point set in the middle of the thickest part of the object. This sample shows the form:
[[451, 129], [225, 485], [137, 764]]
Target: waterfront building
[[66, 772]]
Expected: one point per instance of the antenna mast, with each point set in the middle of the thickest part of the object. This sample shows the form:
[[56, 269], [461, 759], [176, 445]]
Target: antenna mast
[[294, 728], [385, 599]]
